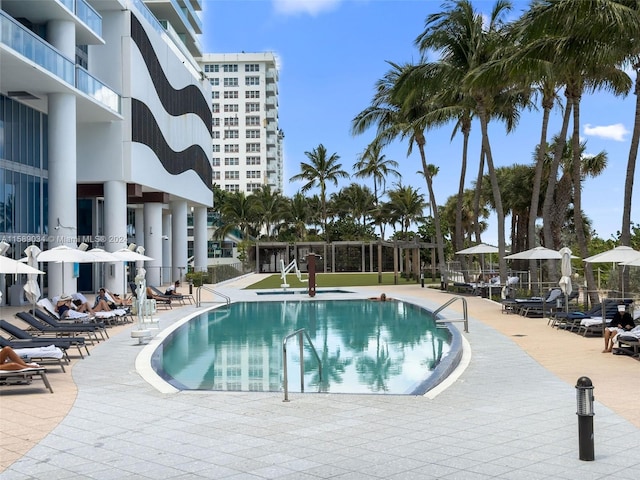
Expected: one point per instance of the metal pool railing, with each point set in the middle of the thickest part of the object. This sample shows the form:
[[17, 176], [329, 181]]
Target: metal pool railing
[[299, 333], [464, 319], [199, 295]]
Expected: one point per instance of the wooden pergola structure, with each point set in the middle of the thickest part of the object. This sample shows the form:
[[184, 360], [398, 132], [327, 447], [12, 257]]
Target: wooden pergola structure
[[347, 256]]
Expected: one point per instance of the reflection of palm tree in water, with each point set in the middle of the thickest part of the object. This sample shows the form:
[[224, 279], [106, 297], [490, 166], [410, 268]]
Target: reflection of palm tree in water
[[332, 365], [375, 372], [437, 336]]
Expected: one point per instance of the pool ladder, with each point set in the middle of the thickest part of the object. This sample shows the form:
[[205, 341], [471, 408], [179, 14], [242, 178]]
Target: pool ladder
[[208, 289], [465, 314], [299, 333]]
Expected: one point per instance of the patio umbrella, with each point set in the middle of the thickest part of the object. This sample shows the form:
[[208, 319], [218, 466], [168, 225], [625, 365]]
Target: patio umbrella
[[14, 267], [31, 288], [620, 255], [536, 253], [63, 254], [127, 255], [565, 279], [479, 249]]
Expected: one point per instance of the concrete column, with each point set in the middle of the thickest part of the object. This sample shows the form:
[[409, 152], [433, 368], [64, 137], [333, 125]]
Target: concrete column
[[115, 230], [139, 226], [167, 275], [200, 239], [179, 239], [62, 188], [62, 35], [153, 241]]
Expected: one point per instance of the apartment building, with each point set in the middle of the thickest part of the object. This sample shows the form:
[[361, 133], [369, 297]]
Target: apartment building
[[105, 133], [246, 139]]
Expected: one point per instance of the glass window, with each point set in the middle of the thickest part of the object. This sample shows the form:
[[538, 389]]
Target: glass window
[[231, 134], [253, 147], [215, 161], [253, 160], [252, 121], [252, 94], [252, 67], [231, 82], [231, 94], [252, 107], [230, 68], [230, 107], [214, 82], [251, 81], [253, 133]]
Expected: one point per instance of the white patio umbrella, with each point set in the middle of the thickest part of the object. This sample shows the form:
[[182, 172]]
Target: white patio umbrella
[[565, 279], [127, 255], [32, 288], [14, 267], [536, 253], [63, 254], [479, 249], [621, 255]]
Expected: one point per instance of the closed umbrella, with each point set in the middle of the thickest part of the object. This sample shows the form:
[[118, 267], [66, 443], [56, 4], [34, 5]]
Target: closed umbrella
[[565, 270], [32, 288]]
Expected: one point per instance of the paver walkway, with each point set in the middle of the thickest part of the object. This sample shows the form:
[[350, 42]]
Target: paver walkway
[[510, 415]]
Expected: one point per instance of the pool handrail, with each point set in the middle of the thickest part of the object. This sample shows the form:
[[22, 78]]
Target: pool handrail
[[299, 333], [465, 314], [208, 289]]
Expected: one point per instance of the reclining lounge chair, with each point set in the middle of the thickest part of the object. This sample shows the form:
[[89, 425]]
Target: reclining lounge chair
[[20, 334], [24, 376], [44, 330]]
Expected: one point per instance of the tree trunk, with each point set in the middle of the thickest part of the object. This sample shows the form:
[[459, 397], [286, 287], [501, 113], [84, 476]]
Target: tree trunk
[[497, 198], [436, 216], [547, 104], [476, 196], [577, 202], [548, 204], [625, 232], [459, 234]]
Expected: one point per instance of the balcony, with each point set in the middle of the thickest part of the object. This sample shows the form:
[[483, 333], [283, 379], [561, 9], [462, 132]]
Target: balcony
[[22, 52]]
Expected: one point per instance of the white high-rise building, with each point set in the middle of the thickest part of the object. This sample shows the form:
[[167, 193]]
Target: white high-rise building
[[247, 142]]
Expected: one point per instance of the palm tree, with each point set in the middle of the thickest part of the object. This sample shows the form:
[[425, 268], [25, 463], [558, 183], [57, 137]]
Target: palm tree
[[238, 211], [588, 59], [374, 164], [400, 109], [269, 206], [408, 205], [321, 170]]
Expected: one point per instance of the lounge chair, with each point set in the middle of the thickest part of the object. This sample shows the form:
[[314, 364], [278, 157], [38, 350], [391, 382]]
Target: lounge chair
[[538, 306], [174, 296], [629, 342], [43, 329], [18, 333], [33, 344], [24, 376], [161, 300], [43, 355], [77, 327]]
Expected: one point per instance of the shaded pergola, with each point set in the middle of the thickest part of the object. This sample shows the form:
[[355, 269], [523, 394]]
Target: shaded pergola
[[345, 256]]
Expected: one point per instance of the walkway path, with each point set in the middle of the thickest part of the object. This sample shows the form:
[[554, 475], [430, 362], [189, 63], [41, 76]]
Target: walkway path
[[510, 415]]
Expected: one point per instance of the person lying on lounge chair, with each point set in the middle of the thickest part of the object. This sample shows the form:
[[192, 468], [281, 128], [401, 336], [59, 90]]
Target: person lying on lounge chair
[[10, 360], [620, 323], [102, 302], [64, 306], [157, 298], [115, 301]]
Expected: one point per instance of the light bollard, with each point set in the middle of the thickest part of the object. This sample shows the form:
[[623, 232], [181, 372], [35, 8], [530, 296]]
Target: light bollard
[[584, 397]]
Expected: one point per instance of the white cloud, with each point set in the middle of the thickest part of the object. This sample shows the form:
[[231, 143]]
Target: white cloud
[[613, 132], [311, 7]]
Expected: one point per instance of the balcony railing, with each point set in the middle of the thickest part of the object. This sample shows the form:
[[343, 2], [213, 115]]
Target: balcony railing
[[87, 83], [89, 16], [29, 45], [32, 47]]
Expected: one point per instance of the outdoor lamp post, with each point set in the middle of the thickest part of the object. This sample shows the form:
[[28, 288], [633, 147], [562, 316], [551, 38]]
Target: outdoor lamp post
[[584, 397]]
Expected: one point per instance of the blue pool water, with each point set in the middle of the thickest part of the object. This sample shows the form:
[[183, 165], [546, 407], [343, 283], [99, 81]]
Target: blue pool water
[[365, 347]]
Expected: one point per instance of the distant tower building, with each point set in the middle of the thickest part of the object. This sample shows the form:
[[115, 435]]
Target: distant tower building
[[247, 143]]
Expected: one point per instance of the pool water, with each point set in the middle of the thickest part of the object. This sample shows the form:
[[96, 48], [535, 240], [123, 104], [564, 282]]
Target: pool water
[[365, 347]]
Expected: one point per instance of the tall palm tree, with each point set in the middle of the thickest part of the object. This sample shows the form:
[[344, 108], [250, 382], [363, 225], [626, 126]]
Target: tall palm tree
[[321, 170], [573, 32], [238, 211], [400, 110]]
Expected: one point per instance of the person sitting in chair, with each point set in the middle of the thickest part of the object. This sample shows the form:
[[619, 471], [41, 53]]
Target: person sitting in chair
[[158, 298], [620, 323], [102, 302], [173, 289]]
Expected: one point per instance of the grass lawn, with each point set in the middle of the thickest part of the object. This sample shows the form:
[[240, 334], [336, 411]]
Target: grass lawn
[[324, 280]]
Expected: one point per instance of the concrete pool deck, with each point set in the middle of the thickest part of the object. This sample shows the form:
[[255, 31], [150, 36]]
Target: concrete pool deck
[[510, 415]]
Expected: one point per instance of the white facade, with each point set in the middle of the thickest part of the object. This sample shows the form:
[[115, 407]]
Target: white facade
[[119, 131], [247, 142]]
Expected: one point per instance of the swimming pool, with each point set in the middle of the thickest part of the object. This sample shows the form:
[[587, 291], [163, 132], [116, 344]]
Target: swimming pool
[[365, 346]]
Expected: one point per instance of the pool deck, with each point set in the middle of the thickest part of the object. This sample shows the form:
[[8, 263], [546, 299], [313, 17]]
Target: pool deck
[[510, 414]]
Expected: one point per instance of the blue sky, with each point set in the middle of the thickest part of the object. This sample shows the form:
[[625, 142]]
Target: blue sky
[[331, 53]]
